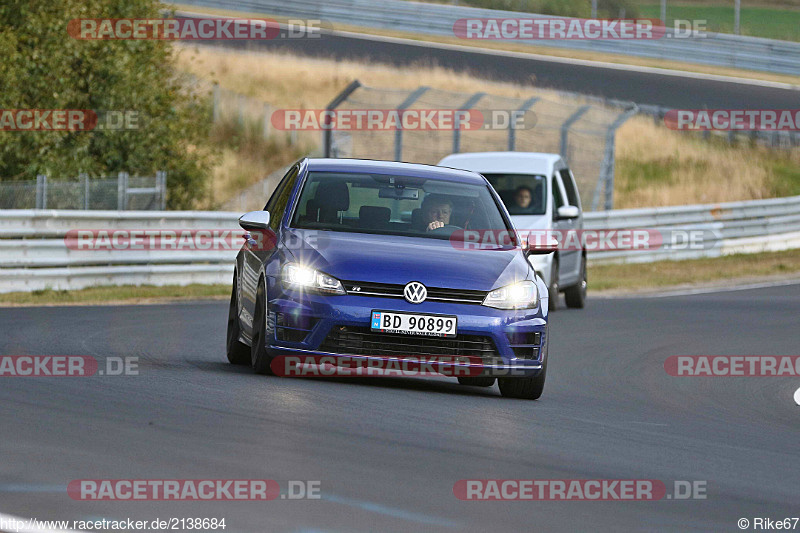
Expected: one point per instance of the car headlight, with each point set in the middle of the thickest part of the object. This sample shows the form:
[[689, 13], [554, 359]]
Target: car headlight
[[521, 295], [304, 278]]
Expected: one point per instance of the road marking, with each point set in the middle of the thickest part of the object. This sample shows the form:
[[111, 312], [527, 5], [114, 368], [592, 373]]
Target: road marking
[[797, 396], [392, 511], [544, 57], [5, 518]]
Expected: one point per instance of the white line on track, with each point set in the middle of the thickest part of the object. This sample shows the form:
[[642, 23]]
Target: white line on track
[[542, 57]]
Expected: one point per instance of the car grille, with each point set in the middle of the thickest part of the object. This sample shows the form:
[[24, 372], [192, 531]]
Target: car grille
[[357, 340], [435, 294]]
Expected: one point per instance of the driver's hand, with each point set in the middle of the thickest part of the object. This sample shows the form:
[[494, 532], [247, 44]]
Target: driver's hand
[[435, 224]]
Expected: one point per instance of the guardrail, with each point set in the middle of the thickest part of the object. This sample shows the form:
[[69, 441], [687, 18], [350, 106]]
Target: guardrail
[[34, 254], [435, 19], [727, 228]]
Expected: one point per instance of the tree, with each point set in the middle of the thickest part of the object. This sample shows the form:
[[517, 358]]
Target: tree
[[44, 68]]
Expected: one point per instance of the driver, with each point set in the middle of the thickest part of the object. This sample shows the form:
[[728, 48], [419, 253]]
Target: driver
[[436, 211]]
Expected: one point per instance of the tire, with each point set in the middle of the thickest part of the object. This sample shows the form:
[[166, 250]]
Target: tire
[[552, 289], [525, 388], [238, 352], [576, 296], [259, 358], [476, 382]]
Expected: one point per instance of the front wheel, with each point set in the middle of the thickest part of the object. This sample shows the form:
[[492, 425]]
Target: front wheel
[[525, 388], [238, 352], [576, 296], [259, 357]]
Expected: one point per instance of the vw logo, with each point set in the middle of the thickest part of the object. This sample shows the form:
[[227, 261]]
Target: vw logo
[[415, 292]]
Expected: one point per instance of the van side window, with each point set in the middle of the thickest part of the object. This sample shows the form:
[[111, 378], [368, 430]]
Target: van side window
[[558, 198], [569, 186]]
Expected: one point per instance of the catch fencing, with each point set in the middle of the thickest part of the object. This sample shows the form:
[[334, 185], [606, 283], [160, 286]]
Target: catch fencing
[[125, 192], [560, 123]]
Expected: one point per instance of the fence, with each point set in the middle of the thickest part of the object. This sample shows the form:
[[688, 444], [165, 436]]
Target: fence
[[34, 254], [561, 123], [435, 19], [124, 192]]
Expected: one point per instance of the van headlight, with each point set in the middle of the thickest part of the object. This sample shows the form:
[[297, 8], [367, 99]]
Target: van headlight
[[304, 278], [520, 295]]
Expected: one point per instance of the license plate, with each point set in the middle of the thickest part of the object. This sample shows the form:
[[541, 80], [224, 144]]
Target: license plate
[[414, 324]]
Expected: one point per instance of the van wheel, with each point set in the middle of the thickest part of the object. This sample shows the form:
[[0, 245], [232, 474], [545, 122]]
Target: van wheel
[[553, 288], [576, 296]]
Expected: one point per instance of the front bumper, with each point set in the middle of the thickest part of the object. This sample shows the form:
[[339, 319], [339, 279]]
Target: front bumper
[[300, 323]]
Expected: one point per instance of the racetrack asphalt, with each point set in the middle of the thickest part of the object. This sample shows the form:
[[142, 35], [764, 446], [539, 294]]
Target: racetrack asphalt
[[388, 451]]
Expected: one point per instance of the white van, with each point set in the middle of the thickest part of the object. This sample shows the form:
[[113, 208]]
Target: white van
[[554, 204]]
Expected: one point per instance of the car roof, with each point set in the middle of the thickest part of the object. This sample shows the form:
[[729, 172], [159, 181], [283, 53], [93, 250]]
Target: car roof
[[487, 162], [370, 166]]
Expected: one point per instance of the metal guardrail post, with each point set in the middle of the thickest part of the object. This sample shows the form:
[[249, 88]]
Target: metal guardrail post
[[567, 125], [161, 187], [327, 138], [512, 132], [398, 133], [471, 101], [41, 191], [122, 191], [85, 178], [606, 177]]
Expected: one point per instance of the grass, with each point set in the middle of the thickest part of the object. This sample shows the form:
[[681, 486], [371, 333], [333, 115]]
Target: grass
[[627, 277], [772, 22], [656, 166], [108, 295], [661, 274]]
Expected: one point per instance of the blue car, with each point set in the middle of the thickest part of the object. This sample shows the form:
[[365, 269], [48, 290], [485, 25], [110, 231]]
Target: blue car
[[376, 259]]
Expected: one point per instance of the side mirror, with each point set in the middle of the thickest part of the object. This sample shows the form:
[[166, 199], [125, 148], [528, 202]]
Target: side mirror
[[539, 248], [568, 211], [255, 220]]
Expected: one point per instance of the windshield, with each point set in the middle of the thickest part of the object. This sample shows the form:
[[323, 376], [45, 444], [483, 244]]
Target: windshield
[[523, 194], [394, 205]]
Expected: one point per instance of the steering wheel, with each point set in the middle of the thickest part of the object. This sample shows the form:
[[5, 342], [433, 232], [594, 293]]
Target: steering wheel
[[450, 228]]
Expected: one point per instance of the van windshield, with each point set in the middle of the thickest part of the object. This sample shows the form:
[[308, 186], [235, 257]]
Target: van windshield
[[522, 194]]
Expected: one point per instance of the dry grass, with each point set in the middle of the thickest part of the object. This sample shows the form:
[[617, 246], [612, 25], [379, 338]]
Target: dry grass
[[655, 166], [738, 268]]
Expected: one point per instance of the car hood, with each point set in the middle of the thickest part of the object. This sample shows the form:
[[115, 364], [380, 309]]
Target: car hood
[[399, 260]]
